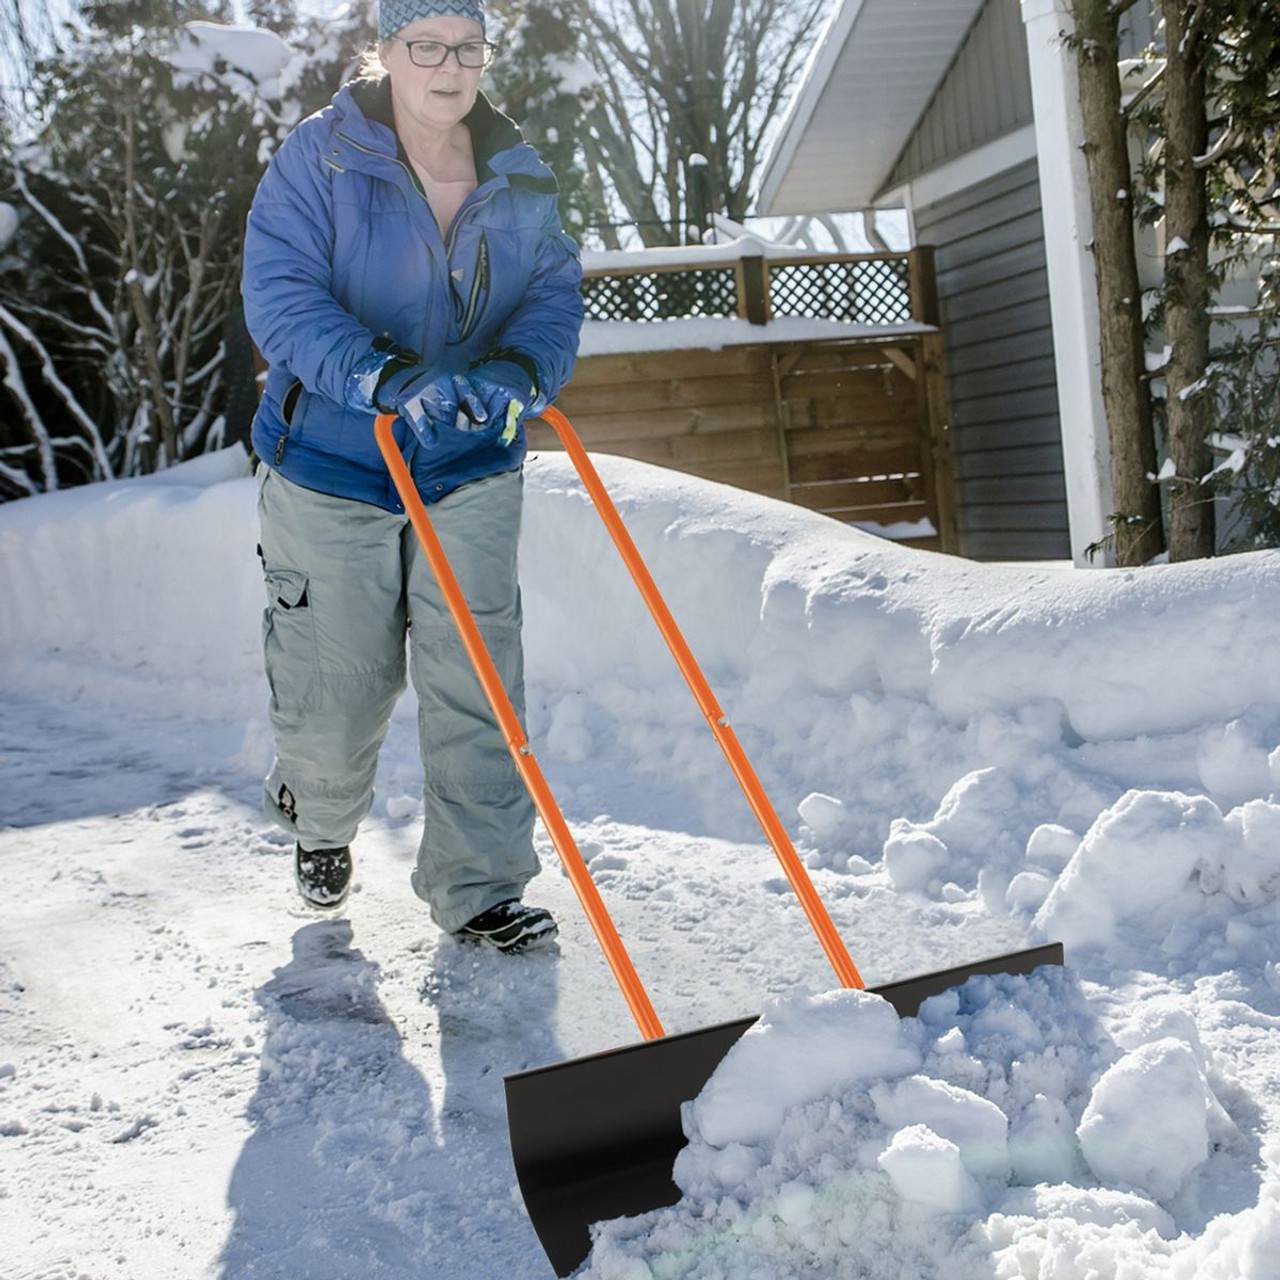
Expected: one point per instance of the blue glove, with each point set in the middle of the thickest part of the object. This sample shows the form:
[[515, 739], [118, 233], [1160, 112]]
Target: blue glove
[[501, 394], [425, 398], [393, 380]]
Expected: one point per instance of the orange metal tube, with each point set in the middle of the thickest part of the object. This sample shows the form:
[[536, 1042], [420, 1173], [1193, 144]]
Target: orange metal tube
[[837, 953], [517, 743]]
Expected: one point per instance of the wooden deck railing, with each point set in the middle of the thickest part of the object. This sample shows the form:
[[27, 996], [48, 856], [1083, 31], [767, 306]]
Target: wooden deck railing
[[879, 289]]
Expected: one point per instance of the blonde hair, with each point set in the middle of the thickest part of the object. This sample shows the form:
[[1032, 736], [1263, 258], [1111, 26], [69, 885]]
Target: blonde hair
[[369, 65]]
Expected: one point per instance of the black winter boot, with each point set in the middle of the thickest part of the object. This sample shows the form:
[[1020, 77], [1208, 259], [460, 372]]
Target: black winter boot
[[323, 876], [511, 926]]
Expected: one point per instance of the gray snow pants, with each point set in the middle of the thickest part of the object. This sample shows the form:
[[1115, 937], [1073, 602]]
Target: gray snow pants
[[346, 583]]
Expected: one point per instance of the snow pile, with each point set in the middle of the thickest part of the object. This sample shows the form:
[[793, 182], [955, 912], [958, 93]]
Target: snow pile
[[1167, 873], [971, 756], [1004, 1100]]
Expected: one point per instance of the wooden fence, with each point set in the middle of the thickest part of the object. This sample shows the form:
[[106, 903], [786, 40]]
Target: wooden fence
[[852, 426]]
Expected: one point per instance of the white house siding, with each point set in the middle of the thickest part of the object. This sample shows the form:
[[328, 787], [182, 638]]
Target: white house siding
[[994, 296]]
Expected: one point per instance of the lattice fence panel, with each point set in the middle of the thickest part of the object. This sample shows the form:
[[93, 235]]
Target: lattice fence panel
[[864, 292], [661, 295]]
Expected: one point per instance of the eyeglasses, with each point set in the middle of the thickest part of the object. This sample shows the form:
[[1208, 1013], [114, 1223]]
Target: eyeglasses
[[472, 54]]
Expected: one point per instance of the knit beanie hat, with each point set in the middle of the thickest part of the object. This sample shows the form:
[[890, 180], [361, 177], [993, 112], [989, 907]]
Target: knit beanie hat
[[395, 15]]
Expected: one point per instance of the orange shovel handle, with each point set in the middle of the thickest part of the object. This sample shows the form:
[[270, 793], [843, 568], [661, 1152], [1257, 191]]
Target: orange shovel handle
[[561, 837], [832, 943], [518, 745]]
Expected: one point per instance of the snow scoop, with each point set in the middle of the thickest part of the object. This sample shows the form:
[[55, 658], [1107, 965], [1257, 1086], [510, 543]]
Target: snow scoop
[[595, 1138]]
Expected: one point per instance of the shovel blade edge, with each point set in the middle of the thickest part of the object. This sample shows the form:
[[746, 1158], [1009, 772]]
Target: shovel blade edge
[[596, 1137]]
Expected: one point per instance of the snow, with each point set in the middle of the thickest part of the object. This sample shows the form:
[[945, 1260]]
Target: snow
[[8, 224], [213, 48], [743, 245], [200, 1079], [712, 333]]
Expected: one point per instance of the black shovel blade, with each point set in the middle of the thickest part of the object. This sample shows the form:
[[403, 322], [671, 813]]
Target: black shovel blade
[[595, 1138]]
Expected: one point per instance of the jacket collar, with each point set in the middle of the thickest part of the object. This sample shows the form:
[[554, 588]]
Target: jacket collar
[[364, 107]]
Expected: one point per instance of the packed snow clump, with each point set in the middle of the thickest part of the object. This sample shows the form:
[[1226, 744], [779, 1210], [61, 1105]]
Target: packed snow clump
[[832, 1121]]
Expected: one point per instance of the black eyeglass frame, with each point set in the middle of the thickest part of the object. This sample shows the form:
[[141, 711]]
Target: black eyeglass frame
[[490, 52]]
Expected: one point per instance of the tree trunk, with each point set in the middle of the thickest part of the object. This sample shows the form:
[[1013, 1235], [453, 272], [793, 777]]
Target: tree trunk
[[164, 450], [1186, 281], [1125, 397]]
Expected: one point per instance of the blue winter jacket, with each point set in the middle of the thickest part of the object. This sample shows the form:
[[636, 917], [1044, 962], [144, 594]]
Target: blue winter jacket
[[342, 250]]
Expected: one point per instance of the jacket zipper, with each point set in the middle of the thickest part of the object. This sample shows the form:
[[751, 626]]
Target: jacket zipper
[[479, 282]]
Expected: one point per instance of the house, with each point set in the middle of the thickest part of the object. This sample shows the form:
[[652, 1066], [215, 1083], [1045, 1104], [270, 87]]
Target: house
[[965, 112]]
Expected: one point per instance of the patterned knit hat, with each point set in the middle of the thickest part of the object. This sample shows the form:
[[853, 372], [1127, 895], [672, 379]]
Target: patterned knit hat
[[395, 15]]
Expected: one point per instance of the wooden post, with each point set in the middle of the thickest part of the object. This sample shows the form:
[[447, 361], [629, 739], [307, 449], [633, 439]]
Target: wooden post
[[753, 289], [923, 276], [935, 405], [931, 391]]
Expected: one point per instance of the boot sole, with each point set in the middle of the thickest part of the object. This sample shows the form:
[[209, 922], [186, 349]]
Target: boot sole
[[532, 941], [315, 904]]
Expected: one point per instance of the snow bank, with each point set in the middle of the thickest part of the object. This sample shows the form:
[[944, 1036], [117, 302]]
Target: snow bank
[[1091, 756], [132, 582], [1097, 753]]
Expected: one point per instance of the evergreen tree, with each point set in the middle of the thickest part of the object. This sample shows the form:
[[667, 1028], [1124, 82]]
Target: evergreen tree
[[542, 80], [1207, 125], [131, 202]]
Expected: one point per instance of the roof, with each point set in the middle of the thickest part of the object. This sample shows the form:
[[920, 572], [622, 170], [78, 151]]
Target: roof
[[870, 78]]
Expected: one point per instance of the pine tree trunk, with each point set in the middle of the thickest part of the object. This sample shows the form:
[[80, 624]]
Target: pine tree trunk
[[1125, 397], [1186, 280]]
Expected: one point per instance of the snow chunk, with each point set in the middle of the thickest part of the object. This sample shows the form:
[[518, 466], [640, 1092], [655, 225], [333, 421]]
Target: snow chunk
[[968, 835], [913, 857], [824, 815], [927, 1170], [1250, 872], [978, 1128], [1136, 872], [1232, 760], [802, 1048], [1052, 846], [1146, 1125]]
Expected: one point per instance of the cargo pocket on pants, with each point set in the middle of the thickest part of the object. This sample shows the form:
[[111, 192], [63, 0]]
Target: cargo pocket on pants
[[289, 642]]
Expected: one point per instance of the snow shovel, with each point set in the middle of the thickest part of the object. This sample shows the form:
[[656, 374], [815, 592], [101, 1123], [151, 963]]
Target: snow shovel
[[595, 1138]]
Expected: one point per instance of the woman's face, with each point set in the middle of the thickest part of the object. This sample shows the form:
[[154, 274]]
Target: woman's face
[[433, 97]]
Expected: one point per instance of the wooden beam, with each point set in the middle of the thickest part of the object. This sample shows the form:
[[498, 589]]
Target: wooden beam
[[902, 360]]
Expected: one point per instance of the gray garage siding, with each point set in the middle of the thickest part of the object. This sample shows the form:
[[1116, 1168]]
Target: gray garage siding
[[994, 295]]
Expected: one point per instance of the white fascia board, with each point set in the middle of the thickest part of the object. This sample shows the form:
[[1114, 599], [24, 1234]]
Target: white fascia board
[[1073, 298], [968, 170], [804, 102]]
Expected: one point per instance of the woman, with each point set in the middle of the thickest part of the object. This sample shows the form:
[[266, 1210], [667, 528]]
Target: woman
[[404, 255]]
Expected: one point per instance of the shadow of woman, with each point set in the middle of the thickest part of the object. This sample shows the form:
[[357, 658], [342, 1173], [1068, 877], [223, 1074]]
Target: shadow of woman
[[334, 1181], [496, 1014]]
